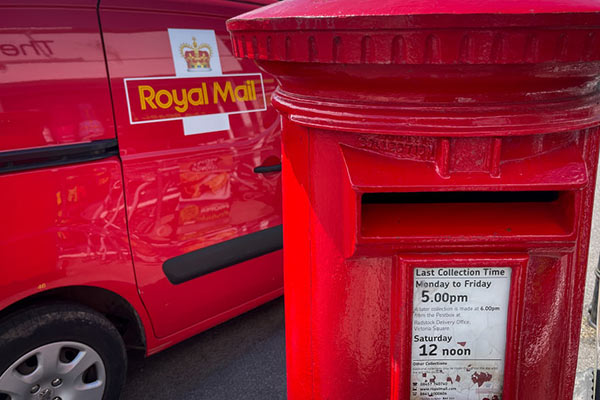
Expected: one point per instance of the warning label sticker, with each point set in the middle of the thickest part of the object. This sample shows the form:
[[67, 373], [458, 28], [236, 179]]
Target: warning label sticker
[[459, 333]]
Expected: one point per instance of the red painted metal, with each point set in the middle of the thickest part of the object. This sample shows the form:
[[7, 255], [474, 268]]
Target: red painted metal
[[61, 226], [46, 53], [66, 227], [397, 97], [188, 192], [167, 194]]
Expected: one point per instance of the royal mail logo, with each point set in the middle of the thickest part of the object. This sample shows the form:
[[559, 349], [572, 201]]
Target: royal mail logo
[[196, 56], [199, 94], [171, 98]]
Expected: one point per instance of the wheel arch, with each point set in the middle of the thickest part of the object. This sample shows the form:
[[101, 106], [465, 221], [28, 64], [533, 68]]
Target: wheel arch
[[113, 306]]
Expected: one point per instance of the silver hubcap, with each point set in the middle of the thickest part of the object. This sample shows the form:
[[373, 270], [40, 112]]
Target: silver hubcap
[[56, 371]]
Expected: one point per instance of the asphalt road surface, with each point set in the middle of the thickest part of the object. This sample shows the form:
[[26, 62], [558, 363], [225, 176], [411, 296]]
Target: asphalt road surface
[[241, 359], [587, 354]]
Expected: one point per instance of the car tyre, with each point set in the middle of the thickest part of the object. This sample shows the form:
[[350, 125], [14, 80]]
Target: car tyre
[[60, 350]]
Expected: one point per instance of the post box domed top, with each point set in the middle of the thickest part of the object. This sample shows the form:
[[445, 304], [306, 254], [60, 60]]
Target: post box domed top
[[293, 20], [295, 10], [430, 66]]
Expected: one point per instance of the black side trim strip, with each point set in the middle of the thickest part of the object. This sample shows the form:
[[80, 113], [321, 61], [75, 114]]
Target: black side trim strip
[[267, 169], [222, 255], [41, 157]]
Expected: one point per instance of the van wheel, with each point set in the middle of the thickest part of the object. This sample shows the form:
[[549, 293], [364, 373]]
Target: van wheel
[[58, 352]]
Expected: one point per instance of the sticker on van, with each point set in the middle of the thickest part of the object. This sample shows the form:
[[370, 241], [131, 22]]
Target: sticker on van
[[199, 94]]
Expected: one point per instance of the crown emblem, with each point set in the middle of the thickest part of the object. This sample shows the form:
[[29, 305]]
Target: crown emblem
[[197, 57]]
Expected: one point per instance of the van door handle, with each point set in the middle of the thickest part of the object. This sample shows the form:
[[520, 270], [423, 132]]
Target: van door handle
[[268, 168]]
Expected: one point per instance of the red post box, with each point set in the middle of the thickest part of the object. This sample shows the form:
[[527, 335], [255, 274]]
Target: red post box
[[438, 175]]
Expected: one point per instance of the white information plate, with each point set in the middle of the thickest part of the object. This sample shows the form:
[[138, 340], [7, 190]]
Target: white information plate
[[459, 333]]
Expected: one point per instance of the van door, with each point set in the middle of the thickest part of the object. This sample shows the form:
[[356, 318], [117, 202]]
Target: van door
[[193, 125]]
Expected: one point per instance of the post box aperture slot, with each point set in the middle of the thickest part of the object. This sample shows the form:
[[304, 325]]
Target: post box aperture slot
[[459, 197], [466, 214]]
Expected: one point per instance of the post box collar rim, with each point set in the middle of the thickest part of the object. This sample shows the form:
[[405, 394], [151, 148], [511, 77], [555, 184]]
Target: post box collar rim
[[424, 39]]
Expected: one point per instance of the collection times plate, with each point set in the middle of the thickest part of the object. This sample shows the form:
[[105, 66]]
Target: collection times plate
[[459, 333]]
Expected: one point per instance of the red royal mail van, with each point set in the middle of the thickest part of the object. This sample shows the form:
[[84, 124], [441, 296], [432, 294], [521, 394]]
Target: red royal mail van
[[139, 186]]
